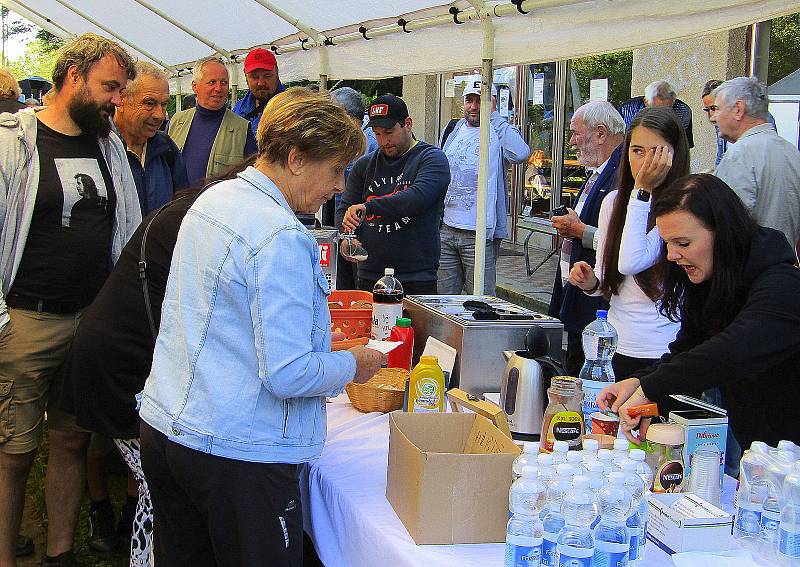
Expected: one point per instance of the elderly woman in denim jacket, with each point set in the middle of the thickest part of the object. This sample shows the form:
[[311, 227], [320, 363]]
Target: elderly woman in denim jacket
[[235, 400]]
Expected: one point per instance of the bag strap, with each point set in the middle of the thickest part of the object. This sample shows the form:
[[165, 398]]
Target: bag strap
[[447, 131], [143, 271]]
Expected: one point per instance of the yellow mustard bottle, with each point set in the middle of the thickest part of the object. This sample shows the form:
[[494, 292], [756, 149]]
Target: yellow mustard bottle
[[426, 386]]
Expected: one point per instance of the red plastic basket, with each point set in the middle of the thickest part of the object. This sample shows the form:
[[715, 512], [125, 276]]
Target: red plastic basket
[[354, 323]]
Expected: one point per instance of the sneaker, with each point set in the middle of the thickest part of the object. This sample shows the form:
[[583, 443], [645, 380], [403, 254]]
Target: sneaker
[[24, 546], [102, 536], [66, 559]]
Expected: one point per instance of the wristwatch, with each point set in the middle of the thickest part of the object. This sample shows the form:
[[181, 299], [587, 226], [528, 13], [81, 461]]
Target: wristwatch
[[643, 195]]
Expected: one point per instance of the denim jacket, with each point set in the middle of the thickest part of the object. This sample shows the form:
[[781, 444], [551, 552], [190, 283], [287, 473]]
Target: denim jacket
[[242, 362]]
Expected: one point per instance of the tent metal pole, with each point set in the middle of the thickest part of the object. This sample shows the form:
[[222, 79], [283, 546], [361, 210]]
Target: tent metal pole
[[38, 15], [179, 95], [183, 28], [119, 38], [483, 157]]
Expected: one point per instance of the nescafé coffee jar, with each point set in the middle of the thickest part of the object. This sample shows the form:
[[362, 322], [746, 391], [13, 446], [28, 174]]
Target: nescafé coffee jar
[[665, 458], [563, 418]]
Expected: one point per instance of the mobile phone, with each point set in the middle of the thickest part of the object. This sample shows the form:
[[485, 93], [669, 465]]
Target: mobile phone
[[559, 211]]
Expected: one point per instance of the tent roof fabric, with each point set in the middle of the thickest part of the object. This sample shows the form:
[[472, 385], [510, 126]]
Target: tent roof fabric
[[552, 29]]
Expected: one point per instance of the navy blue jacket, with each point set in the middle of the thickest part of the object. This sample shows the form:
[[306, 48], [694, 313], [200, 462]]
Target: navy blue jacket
[[163, 174], [569, 303], [246, 108]]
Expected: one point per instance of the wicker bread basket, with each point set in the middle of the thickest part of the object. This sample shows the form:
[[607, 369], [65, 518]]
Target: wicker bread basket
[[383, 392]]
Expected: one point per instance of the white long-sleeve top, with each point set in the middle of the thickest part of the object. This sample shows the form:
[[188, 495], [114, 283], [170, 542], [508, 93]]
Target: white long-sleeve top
[[643, 331]]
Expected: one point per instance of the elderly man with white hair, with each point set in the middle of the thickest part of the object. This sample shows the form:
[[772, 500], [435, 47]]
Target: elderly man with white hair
[[659, 93], [596, 132], [762, 168]]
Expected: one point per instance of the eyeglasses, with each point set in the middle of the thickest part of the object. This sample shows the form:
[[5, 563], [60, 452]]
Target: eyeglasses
[[712, 108]]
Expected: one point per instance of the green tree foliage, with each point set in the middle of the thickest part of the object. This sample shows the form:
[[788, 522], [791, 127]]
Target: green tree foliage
[[39, 59], [784, 47], [616, 67]]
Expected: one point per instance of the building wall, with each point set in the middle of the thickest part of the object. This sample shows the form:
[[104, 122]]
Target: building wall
[[687, 65]]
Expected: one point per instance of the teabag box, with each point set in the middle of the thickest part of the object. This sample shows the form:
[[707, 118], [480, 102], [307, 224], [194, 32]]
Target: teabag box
[[705, 426]]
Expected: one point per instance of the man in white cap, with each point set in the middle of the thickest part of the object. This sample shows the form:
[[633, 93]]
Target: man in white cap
[[461, 146]]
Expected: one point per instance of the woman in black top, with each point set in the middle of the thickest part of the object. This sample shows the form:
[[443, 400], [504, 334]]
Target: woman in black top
[[734, 286]]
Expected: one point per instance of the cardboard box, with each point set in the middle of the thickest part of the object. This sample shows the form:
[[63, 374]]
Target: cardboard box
[[696, 526], [705, 427], [448, 477]]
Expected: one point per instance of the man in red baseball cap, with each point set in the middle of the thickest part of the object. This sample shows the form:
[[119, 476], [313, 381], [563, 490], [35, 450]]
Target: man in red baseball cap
[[261, 71]]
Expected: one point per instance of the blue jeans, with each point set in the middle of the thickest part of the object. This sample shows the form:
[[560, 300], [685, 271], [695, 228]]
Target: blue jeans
[[457, 262]]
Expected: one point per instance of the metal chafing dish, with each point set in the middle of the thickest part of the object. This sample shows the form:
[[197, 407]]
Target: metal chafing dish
[[480, 343]]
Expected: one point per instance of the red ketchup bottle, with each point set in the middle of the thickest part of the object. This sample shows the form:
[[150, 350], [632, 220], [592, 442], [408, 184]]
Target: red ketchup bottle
[[401, 356]]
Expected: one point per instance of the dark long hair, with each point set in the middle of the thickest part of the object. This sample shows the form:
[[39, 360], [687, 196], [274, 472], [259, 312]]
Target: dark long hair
[[665, 123], [714, 303]]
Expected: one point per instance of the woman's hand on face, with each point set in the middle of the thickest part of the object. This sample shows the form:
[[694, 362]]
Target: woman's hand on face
[[353, 216], [655, 168], [368, 362], [582, 276]]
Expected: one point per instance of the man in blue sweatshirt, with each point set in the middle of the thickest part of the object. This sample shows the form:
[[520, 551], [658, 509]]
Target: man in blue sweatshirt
[[263, 82], [394, 198]]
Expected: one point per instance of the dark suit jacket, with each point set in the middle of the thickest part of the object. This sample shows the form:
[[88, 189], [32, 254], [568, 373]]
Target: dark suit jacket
[[569, 303]]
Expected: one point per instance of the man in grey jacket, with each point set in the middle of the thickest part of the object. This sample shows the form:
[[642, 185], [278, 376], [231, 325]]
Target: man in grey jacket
[[461, 146], [68, 204], [762, 168]]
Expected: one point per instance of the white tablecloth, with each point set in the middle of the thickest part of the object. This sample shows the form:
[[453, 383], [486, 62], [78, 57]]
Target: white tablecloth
[[352, 523]]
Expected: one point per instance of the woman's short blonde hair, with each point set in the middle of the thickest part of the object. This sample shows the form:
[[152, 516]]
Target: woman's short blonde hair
[[310, 122], [9, 87]]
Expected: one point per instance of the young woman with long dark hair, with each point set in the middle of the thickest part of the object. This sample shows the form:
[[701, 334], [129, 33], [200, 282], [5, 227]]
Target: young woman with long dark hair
[[734, 285], [654, 155]]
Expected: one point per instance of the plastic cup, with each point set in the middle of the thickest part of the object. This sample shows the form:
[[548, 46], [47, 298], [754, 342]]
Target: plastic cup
[[604, 424], [704, 476]]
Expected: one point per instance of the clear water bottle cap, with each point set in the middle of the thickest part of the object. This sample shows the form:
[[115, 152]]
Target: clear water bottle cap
[[621, 445], [786, 445], [602, 314], [565, 469], [545, 459], [561, 446], [759, 446], [530, 471], [637, 455], [605, 455], [591, 444], [574, 457], [388, 272], [530, 447]]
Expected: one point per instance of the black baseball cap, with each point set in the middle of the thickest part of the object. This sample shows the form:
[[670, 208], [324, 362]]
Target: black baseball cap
[[386, 111]]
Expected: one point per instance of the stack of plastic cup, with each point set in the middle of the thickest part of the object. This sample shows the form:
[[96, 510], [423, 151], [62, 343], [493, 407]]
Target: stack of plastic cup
[[704, 478]]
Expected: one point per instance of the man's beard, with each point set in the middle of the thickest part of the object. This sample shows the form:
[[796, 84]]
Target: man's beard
[[86, 114], [475, 123]]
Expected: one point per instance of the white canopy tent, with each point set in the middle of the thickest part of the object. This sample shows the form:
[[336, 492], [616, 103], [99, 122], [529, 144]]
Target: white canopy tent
[[370, 39]]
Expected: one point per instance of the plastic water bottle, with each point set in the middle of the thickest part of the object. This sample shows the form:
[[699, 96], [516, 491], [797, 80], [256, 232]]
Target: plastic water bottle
[[753, 490], [524, 531], [611, 537], [527, 457], [642, 468], [575, 542], [620, 452], [635, 522], [387, 305], [599, 340], [553, 519], [545, 461], [606, 456], [774, 503], [789, 529], [741, 483], [560, 449], [575, 458], [590, 448], [597, 481]]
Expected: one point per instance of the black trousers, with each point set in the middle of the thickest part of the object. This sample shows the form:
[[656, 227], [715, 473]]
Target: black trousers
[[210, 511], [573, 360], [409, 288], [624, 366]]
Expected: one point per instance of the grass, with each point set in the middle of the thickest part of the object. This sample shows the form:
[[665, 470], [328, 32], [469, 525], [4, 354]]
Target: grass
[[35, 525]]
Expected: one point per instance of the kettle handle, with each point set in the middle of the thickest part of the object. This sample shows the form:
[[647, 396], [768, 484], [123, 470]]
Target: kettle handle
[[554, 366]]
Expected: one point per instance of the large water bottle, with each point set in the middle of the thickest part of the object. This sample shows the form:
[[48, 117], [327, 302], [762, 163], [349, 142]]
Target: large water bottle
[[611, 537], [553, 519], [789, 529], [752, 491], [635, 521], [599, 344], [524, 530], [575, 542], [773, 503], [387, 305], [527, 457]]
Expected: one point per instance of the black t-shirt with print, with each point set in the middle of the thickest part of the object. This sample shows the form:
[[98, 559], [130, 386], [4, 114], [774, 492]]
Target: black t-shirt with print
[[67, 255]]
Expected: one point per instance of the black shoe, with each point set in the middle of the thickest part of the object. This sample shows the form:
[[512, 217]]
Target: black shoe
[[102, 536], [125, 524], [66, 559], [24, 546]]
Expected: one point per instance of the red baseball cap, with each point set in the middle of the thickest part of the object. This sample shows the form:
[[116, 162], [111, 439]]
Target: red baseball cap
[[260, 59]]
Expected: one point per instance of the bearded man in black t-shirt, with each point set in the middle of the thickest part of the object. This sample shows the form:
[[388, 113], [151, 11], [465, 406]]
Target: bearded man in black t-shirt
[[68, 204]]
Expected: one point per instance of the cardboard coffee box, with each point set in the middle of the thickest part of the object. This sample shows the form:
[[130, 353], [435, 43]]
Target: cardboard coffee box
[[705, 426], [448, 477]]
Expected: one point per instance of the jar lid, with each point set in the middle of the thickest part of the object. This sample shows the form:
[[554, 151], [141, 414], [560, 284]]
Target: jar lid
[[665, 434]]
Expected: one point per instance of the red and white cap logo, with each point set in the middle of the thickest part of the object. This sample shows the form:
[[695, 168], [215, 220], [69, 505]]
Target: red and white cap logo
[[378, 110]]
